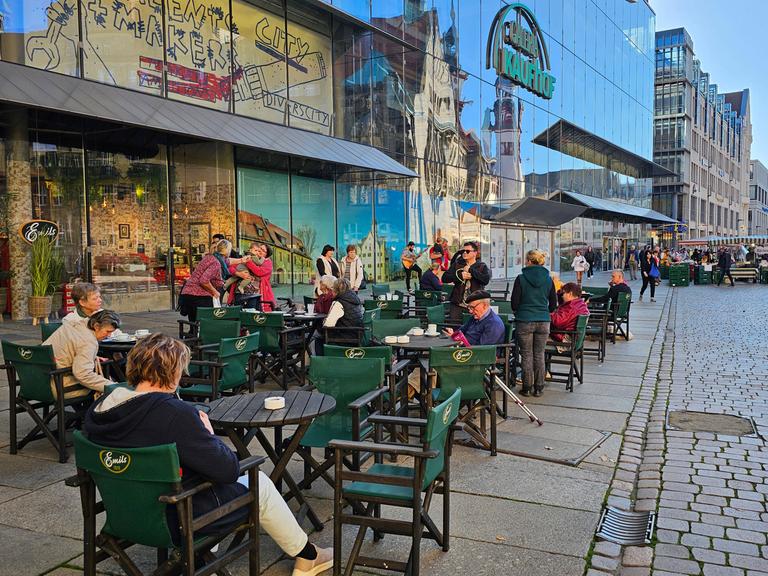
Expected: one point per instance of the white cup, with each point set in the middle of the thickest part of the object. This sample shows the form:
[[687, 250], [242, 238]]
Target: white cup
[[431, 328], [403, 339], [417, 332], [390, 339], [142, 332], [310, 308]]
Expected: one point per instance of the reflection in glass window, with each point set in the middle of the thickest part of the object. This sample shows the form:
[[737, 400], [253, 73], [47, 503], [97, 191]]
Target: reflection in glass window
[[310, 82], [123, 44], [198, 46], [354, 213], [390, 229], [41, 33], [352, 69], [312, 197], [389, 98], [259, 89]]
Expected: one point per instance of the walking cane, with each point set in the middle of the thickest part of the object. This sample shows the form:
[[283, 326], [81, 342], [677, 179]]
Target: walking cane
[[528, 412]]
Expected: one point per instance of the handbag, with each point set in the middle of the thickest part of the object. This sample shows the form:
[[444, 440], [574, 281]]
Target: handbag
[[654, 272], [364, 282]]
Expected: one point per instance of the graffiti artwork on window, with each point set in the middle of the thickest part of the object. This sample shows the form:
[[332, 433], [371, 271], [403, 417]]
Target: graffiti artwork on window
[[262, 52]]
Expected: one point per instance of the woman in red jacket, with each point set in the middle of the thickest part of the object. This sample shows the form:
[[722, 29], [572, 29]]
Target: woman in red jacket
[[567, 314], [259, 271]]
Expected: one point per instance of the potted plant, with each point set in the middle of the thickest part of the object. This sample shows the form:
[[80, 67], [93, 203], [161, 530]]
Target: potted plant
[[46, 269]]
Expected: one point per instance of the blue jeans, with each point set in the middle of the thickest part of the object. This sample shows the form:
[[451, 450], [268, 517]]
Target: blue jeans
[[531, 340]]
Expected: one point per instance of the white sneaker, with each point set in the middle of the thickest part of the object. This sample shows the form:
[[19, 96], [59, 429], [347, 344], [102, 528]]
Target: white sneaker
[[653, 299], [323, 562]]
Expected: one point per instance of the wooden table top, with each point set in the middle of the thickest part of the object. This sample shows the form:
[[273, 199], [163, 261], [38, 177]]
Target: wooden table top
[[247, 410], [425, 342]]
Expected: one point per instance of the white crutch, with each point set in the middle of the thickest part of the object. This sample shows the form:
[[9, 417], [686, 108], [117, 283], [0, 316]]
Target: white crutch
[[516, 400]]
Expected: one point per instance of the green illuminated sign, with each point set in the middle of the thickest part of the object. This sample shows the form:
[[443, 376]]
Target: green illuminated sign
[[517, 51]]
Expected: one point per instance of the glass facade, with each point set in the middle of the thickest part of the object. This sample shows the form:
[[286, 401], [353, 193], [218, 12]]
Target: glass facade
[[410, 80]]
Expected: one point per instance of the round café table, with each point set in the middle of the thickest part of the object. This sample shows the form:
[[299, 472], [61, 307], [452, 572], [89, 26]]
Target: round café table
[[243, 417]]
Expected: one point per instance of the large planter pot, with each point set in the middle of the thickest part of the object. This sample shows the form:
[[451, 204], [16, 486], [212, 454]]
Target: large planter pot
[[39, 306]]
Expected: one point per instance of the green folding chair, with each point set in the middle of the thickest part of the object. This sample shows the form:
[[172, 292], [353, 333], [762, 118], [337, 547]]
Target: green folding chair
[[46, 330], [389, 309], [31, 372], [451, 369], [570, 354], [380, 329], [426, 298], [136, 486], [398, 487], [379, 290], [368, 317], [222, 313], [281, 349], [357, 385], [619, 316], [229, 369], [437, 314], [504, 306], [211, 332]]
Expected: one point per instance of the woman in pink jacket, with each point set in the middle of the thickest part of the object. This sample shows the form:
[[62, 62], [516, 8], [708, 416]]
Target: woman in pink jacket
[[260, 271]]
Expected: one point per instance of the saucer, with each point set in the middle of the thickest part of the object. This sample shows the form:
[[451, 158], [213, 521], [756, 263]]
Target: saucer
[[431, 334]]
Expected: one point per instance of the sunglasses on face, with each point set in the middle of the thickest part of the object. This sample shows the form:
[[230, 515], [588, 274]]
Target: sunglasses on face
[[467, 251]]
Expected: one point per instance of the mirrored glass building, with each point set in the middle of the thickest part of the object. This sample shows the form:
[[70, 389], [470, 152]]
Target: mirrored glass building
[[142, 127]]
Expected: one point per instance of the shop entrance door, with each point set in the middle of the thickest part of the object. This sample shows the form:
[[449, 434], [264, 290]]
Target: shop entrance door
[[614, 252]]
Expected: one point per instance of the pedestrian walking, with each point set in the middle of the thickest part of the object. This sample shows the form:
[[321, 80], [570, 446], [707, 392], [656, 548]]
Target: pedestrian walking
[[591, 258], [580, 265], [633, 259], [724, 262], [533, 299], [649, 268]]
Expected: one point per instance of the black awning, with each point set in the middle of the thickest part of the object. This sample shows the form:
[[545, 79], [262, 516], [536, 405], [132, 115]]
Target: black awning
[[531, 212], [49, 91], [579, 143], [603, 209]]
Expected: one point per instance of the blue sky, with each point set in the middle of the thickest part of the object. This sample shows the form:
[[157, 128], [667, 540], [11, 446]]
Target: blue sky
[[729, 40]]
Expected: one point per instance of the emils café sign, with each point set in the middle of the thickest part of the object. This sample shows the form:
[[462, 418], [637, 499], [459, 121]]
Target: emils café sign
[[517, 51]]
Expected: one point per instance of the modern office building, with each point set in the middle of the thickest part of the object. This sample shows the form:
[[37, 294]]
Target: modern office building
[[758, 198], [704, 137], [142, 127]]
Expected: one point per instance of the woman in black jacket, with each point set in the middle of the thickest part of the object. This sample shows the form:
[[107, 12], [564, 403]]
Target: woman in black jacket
[[150, 414], [646, 265]]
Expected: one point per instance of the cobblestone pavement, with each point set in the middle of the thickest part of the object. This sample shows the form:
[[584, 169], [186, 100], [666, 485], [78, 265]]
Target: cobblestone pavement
[[712, 499]]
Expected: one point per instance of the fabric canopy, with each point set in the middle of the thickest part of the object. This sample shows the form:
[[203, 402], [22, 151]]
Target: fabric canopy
[[758, 239], [530, 212], [603, 209]]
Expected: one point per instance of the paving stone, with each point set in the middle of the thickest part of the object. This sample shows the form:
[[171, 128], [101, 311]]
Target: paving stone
[[605, 548], [716, 570], [708, 556], [745, 535], [638, 555], [605, 563], [675, 565], [672, 550], [736, 547], [749, 562]]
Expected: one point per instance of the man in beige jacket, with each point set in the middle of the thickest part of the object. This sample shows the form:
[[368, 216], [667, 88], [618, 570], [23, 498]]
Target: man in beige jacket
[[76, 345]]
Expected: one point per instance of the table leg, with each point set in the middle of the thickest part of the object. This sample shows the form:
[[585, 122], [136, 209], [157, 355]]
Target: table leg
[[279, 450], [280, 471]]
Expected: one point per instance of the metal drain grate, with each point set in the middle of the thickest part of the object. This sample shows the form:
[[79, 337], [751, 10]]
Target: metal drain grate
[[629, 528]]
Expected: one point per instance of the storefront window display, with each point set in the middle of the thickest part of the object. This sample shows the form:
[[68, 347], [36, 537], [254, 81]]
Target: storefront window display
[[129, 225]]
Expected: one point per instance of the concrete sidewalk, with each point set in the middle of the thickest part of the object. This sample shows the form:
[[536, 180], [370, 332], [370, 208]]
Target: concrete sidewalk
[[510, 514]]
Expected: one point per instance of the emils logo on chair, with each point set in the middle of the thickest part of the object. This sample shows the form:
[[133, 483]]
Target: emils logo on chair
[[462, 355], [219, 312], [259, 318], [240, 344], [382, 304], [354, 353], [114, 461], [25, 353], [447, 413]]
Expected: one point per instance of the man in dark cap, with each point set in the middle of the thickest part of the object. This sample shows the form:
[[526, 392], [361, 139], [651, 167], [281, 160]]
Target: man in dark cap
[[485, 326]]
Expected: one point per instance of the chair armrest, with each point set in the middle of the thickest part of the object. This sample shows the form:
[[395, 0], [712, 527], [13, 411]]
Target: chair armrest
[[207, 363], [294, 329], [251, 462], [397, 420], [366, 398], [383, 448], [399, 366], [61, 371], [245, 465], [564, 332], [211, 346]]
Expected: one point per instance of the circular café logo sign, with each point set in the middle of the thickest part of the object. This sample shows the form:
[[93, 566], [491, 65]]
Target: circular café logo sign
[[382, 304], [219, 312], [354, 353], [33, 230], [240, 344], [259, 319], [517, 51], [114, 461], [462, 355], [25, 353], [447, 413]]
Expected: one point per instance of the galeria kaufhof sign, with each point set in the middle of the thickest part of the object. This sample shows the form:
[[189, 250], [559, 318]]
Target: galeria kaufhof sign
[[517, 51]]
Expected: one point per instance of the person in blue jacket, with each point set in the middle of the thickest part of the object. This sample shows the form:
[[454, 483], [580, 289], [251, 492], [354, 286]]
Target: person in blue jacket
[[485, 327]]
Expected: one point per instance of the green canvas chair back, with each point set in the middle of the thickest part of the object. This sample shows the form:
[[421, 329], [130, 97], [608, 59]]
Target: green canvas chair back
[[268, 324], [223, 313], [505, 306], [389, 308], [380, 329], [447, 290], [595, 290], [581, 331], [380, 289], [439, 422], [130, 481], [462, 368], [235, 353], [346, 380], [309, 300], [368, 317], [622, 308], [47, 329], [436, 314], [426, 298], [212, 331], [33, 365], [360, 352]]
